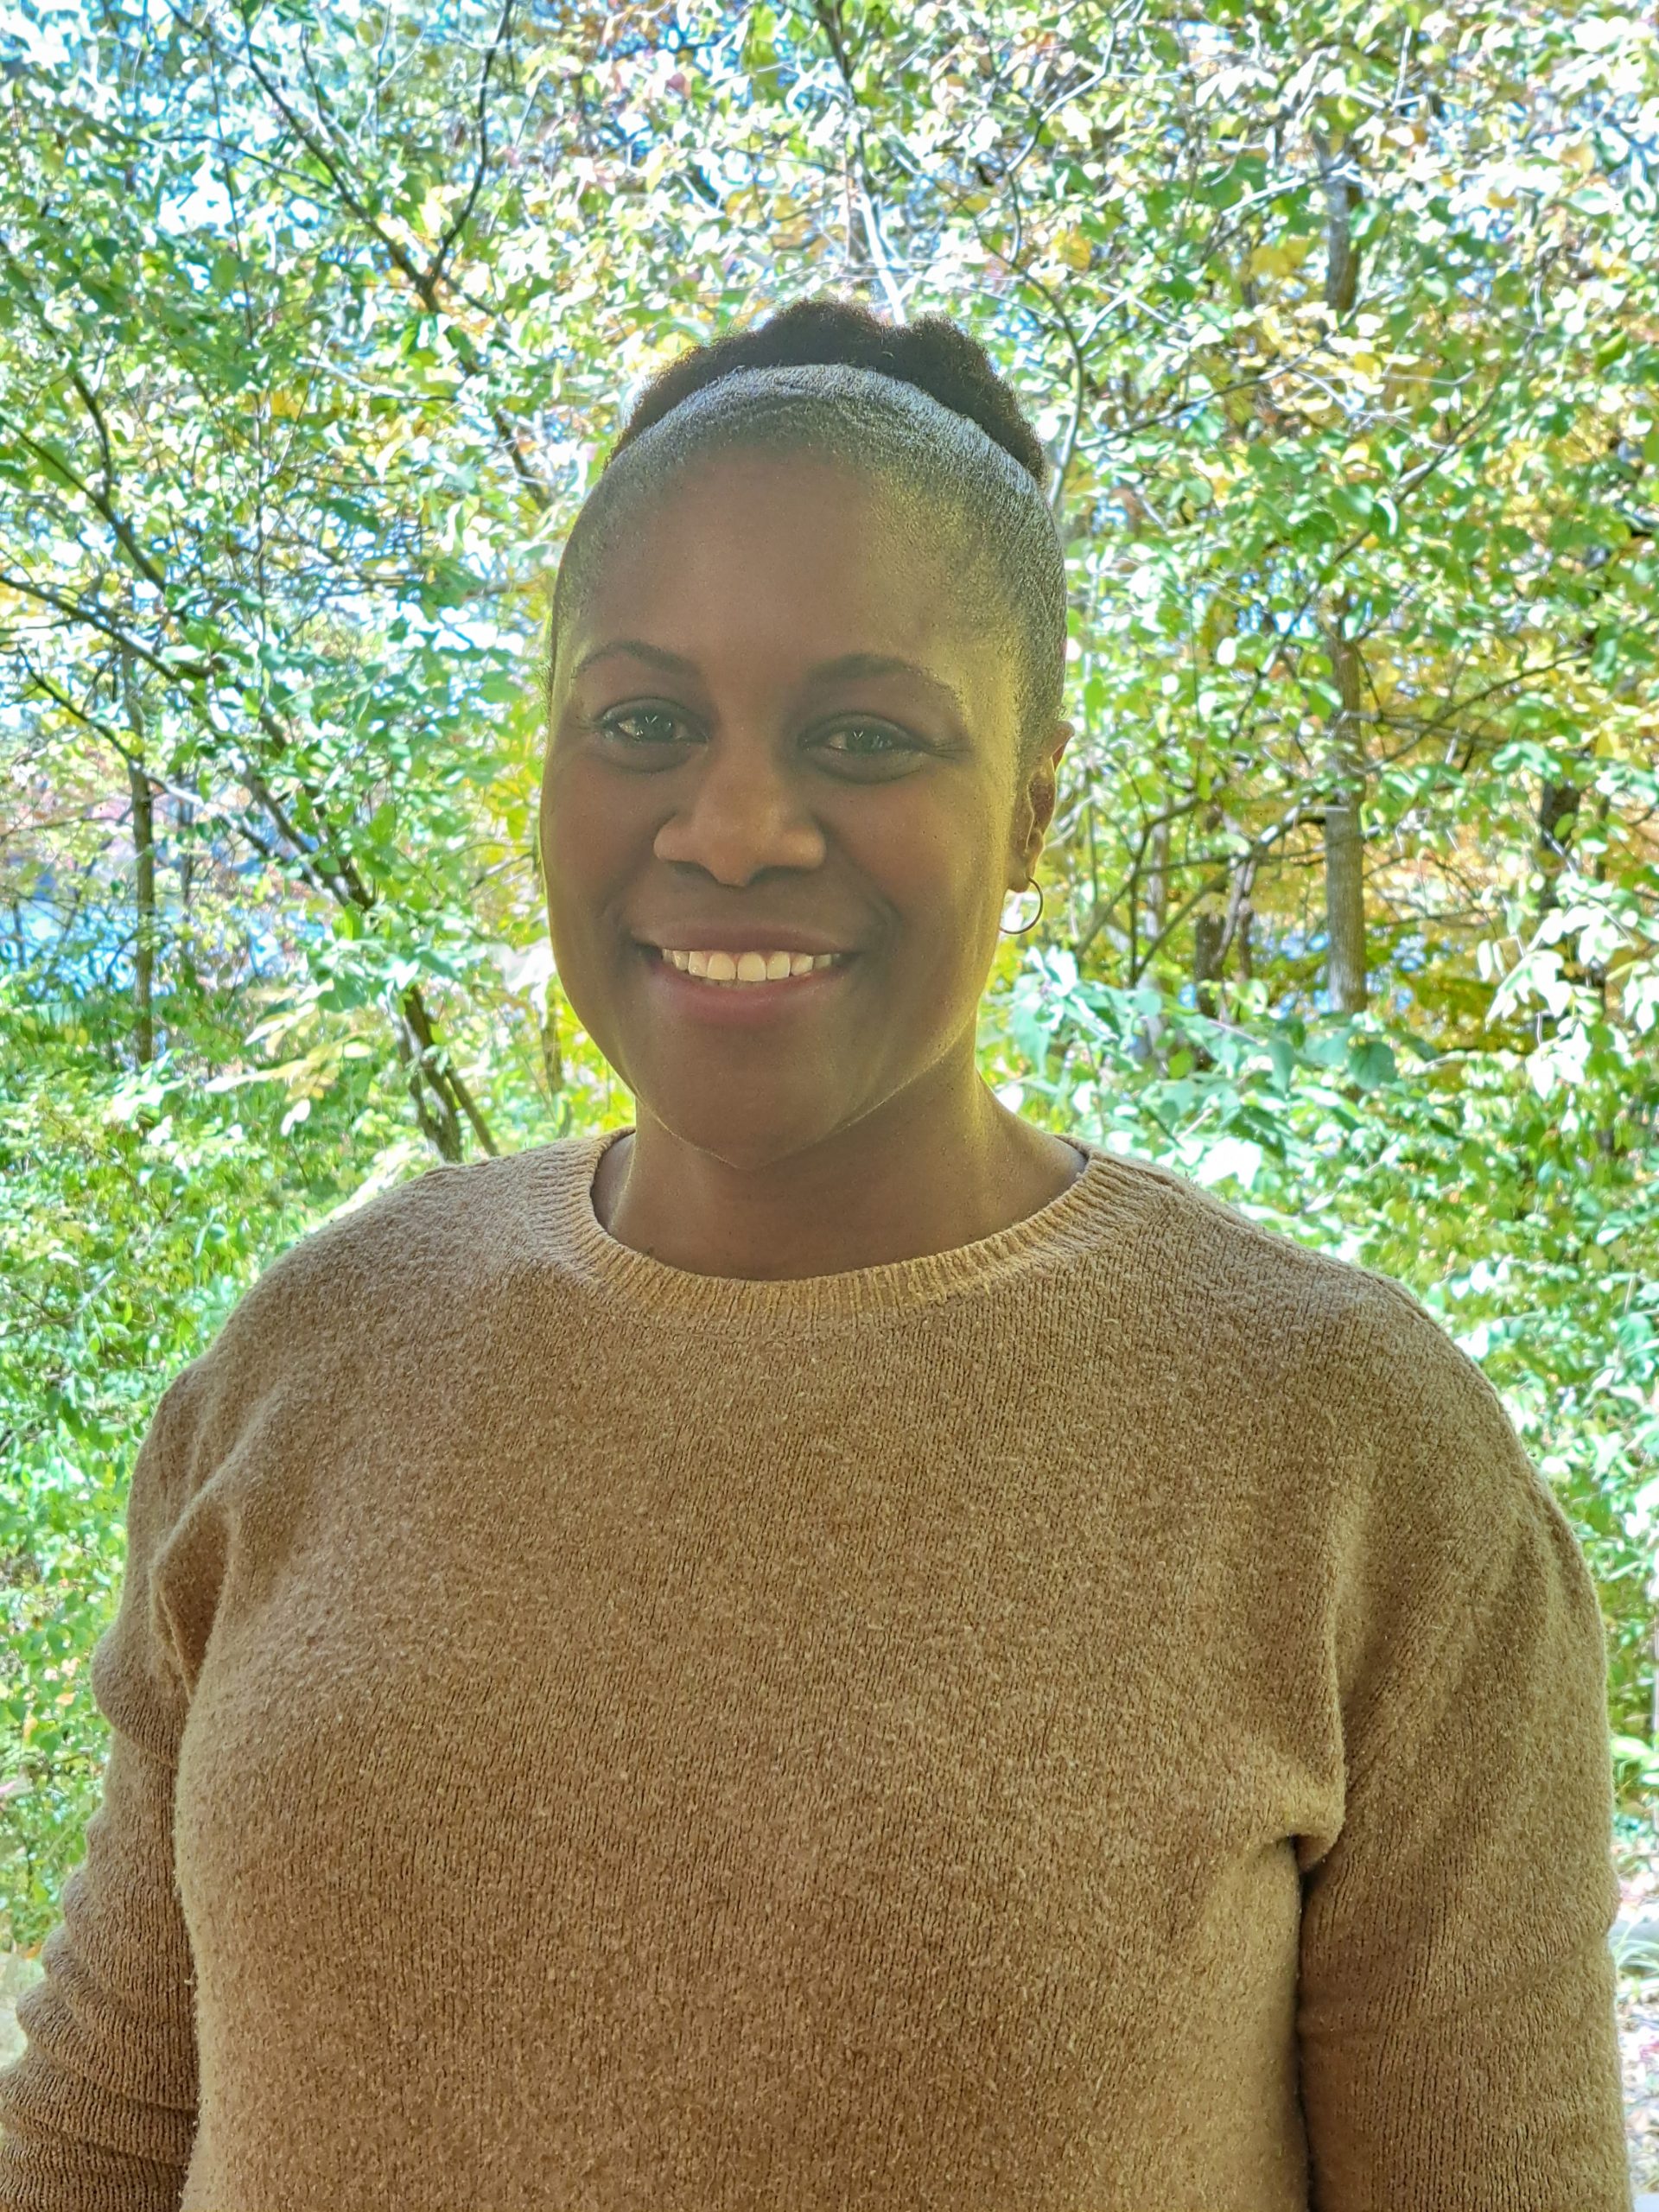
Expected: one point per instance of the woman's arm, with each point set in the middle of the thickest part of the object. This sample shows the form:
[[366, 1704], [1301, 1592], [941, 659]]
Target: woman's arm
[[100, 2108], [1456, 2017]]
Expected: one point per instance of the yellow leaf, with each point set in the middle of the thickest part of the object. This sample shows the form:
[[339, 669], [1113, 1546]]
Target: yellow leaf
[[1073, 249], [1282, 256]]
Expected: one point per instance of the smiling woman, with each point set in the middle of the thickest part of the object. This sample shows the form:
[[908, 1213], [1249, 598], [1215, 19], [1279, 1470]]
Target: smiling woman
[[828, 1650], [808, 650]]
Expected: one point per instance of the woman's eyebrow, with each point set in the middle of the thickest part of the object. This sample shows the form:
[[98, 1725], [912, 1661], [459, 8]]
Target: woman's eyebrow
[[824, 671], [637, 649]]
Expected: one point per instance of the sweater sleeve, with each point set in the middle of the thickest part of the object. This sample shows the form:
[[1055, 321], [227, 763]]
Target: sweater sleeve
[[1456, 2006], [98, 2115]]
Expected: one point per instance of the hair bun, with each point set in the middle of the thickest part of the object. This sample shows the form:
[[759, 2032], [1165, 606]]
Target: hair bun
[[934, 353]]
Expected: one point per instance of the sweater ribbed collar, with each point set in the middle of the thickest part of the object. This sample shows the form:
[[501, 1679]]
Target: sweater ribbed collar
[[1077, 1221]]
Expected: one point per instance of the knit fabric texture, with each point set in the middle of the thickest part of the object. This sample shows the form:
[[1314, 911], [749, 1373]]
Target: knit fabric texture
[[1103, 1719]]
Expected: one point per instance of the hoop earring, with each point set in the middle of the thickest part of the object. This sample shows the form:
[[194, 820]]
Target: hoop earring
[[1032, 886]]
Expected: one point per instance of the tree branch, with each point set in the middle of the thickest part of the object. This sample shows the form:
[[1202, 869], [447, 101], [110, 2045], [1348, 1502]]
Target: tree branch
[[440, 254]]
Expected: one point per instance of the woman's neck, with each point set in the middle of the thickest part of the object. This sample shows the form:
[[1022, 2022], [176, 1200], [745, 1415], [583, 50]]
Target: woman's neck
[[887, 1190]]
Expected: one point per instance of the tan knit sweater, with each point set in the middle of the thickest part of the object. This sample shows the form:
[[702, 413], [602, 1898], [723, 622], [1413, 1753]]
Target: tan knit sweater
[[1105, 1719]]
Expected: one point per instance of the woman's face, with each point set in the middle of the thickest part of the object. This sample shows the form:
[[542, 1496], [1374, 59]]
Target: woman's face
[[718, 761]]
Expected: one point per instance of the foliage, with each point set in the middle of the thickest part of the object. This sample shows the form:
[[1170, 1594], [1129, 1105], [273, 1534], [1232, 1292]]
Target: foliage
[[1342, 327], [126, 1235]]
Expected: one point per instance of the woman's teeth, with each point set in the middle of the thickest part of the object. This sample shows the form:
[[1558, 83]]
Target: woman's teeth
[[749, 967]]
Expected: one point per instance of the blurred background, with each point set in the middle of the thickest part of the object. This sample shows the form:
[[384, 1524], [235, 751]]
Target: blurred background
[[1341, 325]]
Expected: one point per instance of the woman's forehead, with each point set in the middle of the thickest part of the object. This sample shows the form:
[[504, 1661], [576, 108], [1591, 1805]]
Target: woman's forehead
[[757, 542], [748, 491]]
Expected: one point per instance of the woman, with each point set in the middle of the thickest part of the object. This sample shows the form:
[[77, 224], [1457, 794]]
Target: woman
[[828, 1648]]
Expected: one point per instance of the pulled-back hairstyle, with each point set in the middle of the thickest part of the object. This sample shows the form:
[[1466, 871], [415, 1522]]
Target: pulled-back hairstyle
[[918, 407]]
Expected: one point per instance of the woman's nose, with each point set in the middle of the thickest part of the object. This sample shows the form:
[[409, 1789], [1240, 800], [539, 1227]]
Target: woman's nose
[[738, 809]]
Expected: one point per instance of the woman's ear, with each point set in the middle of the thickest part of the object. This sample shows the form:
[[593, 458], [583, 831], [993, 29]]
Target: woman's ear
[[1042, 789]]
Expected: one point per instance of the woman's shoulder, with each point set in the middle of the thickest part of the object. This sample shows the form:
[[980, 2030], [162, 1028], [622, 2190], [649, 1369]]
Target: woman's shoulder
[[1217, 1250], [1326, 1328], [382, 1268], [449, 1217], [1356, 1367]]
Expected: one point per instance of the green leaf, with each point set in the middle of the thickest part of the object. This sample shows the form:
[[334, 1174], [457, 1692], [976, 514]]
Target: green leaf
[[1371, 1062]]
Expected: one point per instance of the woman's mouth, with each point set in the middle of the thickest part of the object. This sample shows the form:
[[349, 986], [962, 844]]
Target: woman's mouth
[[725, 995]]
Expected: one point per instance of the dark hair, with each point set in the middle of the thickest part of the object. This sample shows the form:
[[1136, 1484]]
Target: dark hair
[[934, 353], [1003, 528]]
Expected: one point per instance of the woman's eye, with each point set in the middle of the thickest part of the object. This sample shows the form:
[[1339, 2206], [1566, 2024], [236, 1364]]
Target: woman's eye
[[668, 726], [892, 743]]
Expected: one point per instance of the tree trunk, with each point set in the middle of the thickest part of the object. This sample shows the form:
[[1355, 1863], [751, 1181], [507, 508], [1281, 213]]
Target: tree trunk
[[1339, 179], [1207, 931], [1344, 851], [1559, 800], [1157, 882], [143, 852], [1236, 923], [433, 1109], [1344, 848], [1152, 1029], [184, 947], [1557, 817], [552, 1058], [1209, 934], [143, 957]]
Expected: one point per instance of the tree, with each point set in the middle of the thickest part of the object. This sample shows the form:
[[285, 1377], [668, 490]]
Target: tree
[[1341, 325]]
